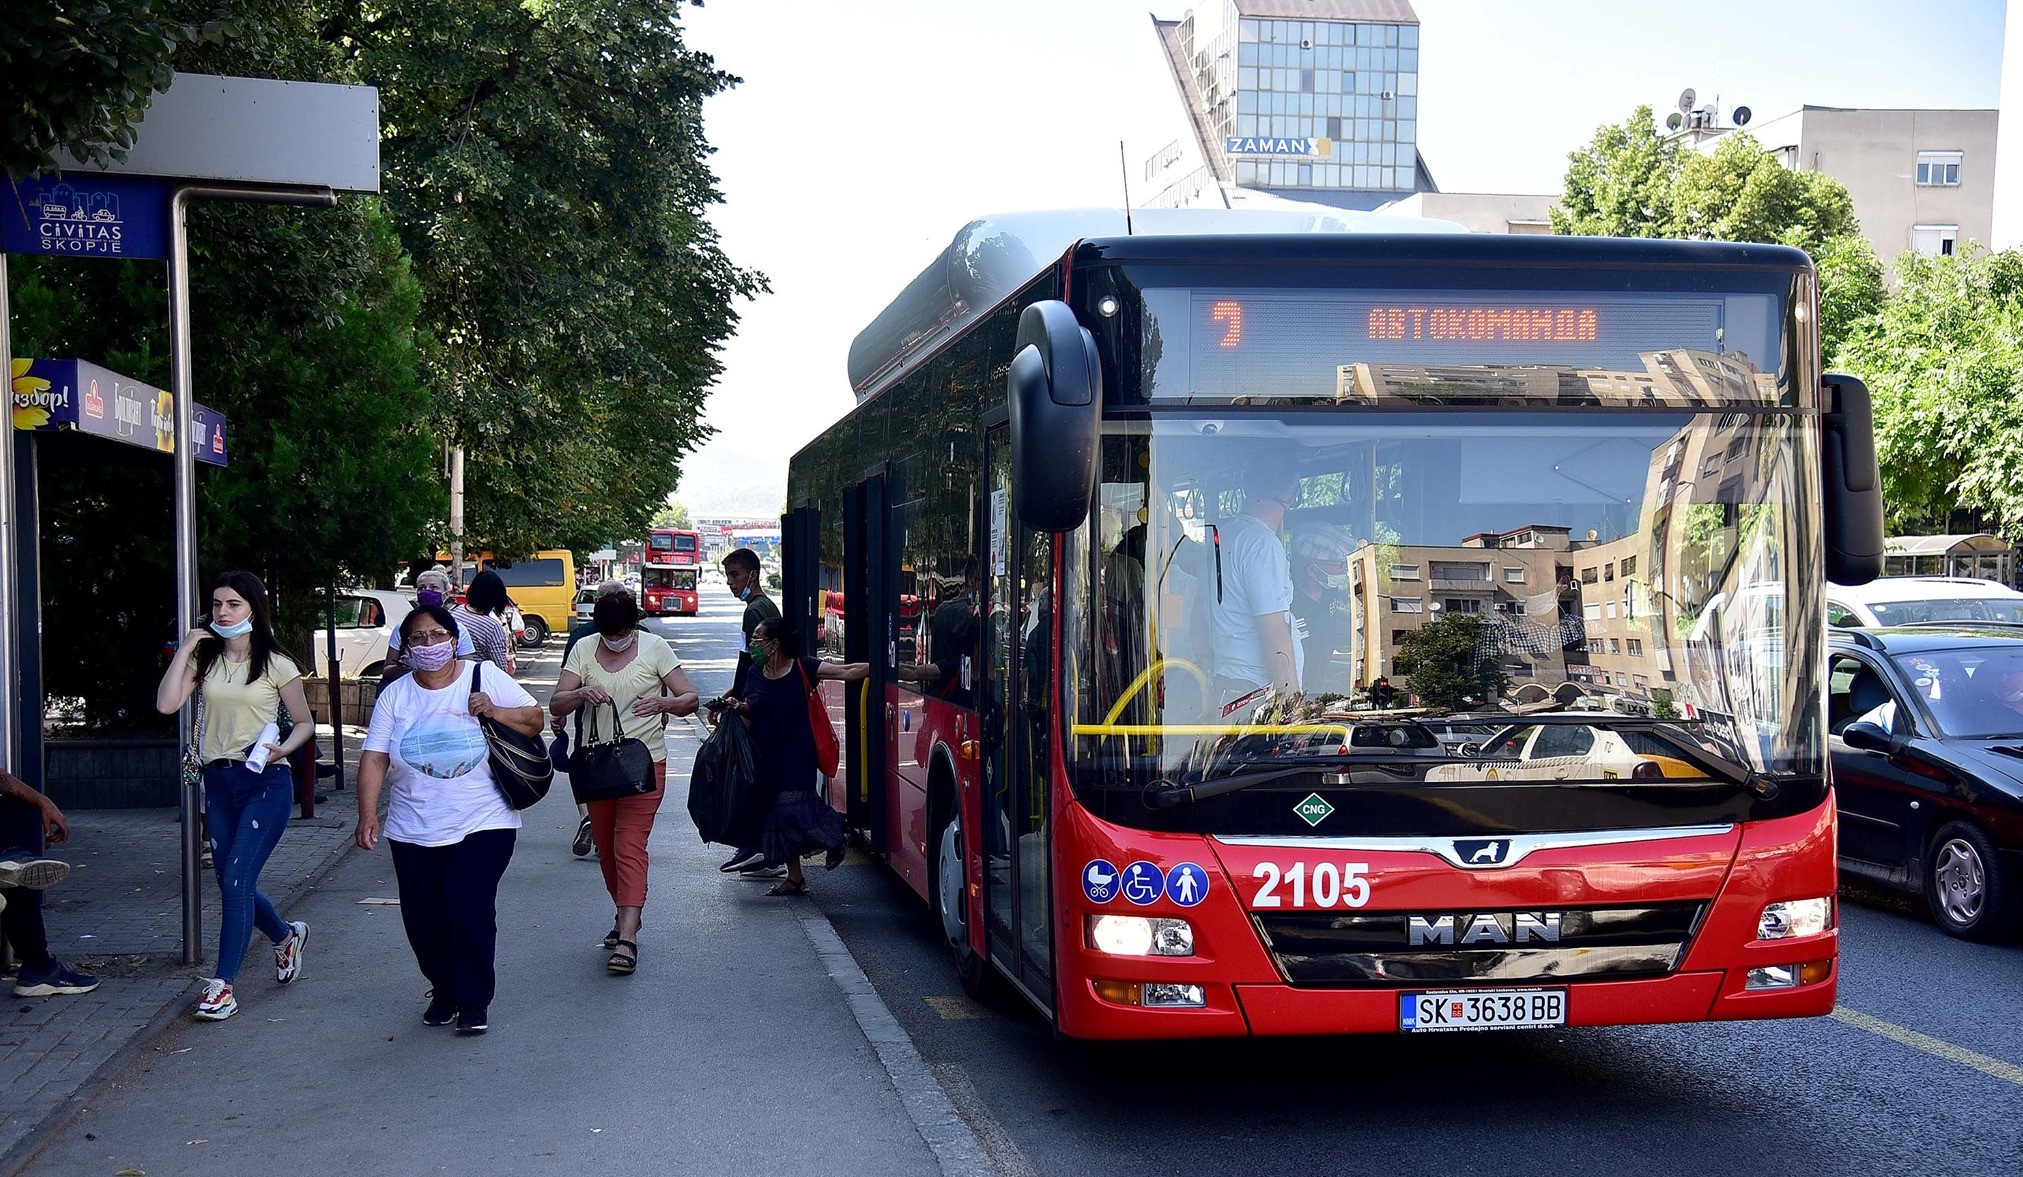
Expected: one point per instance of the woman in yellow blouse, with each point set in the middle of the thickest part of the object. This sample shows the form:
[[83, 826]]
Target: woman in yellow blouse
[[639, 673]]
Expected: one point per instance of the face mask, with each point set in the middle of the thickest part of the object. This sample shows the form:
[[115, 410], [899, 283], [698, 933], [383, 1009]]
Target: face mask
[[431, 658], [745, 594], [239, 629], [428, 597], [762, 651], [618, 645]]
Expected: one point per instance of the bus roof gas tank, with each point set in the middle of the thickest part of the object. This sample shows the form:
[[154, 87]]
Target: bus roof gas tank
[[994, 256]]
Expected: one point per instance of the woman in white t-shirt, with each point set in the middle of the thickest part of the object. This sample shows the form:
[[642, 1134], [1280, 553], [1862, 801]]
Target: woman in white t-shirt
[[448, 827]]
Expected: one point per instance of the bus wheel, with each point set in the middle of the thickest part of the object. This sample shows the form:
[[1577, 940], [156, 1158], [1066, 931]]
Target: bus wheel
[[951, 900], [1967, 885], [536, 633]]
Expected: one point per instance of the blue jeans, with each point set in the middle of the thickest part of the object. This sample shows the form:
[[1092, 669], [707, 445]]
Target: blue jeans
[[245, 814]]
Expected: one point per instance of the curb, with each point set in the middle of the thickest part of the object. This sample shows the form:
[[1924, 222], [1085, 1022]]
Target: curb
[[39, 1137]]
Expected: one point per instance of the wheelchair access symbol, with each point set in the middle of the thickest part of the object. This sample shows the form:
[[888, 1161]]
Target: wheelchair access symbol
[[1099, 881], [1143, 883]]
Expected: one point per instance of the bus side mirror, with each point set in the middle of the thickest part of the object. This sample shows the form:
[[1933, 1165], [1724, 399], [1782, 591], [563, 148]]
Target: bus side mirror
[[1852, 509], [1056, 394]]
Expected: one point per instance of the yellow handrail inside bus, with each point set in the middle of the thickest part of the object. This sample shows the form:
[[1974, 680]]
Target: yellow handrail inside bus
[[1139, 684], [864, 742], [1209, 729]]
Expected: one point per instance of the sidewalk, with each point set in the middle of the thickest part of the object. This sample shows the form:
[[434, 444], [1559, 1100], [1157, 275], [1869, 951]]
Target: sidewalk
[[119, 915]]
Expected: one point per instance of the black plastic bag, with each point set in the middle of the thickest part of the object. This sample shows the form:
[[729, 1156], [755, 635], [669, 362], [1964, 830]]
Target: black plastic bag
[[723, 788]]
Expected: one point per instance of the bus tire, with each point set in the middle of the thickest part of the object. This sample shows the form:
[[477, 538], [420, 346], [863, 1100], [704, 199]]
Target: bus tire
[[1968, 885], [951, 890], [536, 633]]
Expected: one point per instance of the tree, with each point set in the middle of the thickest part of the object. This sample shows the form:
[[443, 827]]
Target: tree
[[1851, 292], [1447, 662], [78, 74], [672, 513], [1620, 184], [1944, 359], [546, 169], [1740, 193]]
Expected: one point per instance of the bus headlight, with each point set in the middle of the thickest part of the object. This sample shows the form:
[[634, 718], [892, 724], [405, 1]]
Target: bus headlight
[[1131, 935], [1795, 917]]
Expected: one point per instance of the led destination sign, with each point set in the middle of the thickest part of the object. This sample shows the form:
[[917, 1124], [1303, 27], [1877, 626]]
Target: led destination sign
[[1523, 324]]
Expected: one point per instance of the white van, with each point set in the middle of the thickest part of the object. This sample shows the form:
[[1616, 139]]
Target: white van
[[1908, 600]]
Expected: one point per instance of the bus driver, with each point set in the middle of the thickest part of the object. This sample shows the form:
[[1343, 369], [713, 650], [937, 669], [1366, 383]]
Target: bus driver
[[1249, 588]]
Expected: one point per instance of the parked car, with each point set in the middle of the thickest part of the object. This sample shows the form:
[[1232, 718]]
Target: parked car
[[586, 602], [1914, 600], [1568, 751], [1925, 732], [366, 621], [1455, 730]]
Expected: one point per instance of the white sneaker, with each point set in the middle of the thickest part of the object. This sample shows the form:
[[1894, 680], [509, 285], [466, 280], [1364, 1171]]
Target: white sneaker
[[288, 953], [217, 1003], [36, 874]]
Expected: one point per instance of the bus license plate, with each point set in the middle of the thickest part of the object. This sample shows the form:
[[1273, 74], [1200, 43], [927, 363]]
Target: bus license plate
[[1481, 1009]]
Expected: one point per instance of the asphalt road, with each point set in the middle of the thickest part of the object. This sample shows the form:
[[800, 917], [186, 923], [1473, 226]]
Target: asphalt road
[[1921, 1070]]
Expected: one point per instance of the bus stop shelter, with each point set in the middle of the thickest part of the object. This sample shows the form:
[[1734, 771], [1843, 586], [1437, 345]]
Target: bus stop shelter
[[1979, 555]]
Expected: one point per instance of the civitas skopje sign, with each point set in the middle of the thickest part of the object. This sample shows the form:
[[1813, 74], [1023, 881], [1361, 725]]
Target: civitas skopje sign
[[87, 215]]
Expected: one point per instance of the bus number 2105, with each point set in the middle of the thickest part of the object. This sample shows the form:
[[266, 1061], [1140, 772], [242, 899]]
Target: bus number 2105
[[1326, 885]]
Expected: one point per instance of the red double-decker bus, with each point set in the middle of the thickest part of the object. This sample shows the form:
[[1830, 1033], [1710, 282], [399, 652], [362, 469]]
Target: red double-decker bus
[[674, 546], [665, 589], [1139, 530]]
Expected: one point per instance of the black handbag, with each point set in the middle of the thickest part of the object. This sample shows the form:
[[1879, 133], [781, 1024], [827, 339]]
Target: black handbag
[[520, 765], [608, 769]]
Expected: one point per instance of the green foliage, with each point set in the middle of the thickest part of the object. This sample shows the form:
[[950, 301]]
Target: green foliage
[[672, 513], [1440, 663], [1851, 292], [546, 168], [78, 74], [1621, 184], [1944, 358]]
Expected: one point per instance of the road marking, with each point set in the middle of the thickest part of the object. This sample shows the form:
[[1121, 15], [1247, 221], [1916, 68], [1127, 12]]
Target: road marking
[[955, 1147], [2005, 1071], [954, 1009]]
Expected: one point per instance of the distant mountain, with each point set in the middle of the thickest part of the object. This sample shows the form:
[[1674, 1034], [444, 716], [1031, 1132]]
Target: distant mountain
[[716, 480]]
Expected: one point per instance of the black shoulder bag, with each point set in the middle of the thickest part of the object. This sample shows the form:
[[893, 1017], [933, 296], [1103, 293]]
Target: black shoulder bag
[[608, 769], [520, 765]]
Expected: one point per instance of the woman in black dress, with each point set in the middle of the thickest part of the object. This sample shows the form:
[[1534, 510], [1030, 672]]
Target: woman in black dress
[[775, 706]]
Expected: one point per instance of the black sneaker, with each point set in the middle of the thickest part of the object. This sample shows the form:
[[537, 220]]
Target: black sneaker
[[472, 1021], [581, 846], [762, 871], [441, 1011], [743, 860]]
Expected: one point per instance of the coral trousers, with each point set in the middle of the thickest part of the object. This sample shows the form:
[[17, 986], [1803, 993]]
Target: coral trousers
[[620, 829]]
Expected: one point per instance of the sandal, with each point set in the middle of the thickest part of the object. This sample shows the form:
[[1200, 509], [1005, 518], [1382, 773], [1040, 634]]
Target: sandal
[[623, 963], [833, 859], [611, 937], [787, 887]]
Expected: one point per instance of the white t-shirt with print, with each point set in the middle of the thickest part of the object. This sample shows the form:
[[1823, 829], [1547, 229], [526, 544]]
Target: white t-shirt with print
[[1256, 580], [439, 781]]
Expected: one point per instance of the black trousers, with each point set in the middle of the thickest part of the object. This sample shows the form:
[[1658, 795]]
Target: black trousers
[[449, 900], [21, 837]]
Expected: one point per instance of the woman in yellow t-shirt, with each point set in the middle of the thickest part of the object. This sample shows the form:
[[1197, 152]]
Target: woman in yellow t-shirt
[[640, 674], [246, 681]]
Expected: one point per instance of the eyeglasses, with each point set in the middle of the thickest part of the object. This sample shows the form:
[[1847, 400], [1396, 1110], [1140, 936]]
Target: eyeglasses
[[428, 637]]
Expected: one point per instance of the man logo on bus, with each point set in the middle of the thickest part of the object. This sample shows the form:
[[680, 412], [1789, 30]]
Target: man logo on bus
[[1489, 852]]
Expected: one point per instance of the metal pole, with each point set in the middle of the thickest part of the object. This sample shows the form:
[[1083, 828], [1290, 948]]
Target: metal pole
[[182, 385], [336, 688], [456, 517], [9, 542]]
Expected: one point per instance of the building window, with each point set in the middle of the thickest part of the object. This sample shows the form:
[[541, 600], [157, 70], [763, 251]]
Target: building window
[[1513, 576], [1589, 575], [1629, 566], [1935, 240], [1591, 612], [1463, 605], [1608, 572], [1636, 647], [1457, 570], [1407, 605], [1404, 572], [1398, 637], [1939, 169]]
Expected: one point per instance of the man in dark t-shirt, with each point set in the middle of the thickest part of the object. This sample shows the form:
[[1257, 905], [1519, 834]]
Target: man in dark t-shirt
[[741, 576]]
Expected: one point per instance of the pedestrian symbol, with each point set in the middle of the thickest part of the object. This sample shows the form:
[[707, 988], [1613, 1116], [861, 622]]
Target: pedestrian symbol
[[1099, 881], [1187, 884], [1314, 810], [1143, 883]]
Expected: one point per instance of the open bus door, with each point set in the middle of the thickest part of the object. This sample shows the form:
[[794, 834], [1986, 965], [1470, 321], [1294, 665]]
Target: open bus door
[[869, 575], [1017, 722]]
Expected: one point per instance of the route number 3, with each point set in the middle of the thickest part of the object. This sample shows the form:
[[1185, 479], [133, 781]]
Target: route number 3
[[1327, 885]]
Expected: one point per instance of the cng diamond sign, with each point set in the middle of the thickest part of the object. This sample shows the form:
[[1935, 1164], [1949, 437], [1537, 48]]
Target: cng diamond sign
[[1314, 810]]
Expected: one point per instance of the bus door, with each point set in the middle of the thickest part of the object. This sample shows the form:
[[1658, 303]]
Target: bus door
[[1017, 716], [867, 602]]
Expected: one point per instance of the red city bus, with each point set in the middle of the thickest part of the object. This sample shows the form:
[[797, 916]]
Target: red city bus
[[1168, 505], [668, 590], [675, 546]]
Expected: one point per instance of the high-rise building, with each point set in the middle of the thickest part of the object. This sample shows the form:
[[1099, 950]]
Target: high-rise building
[[1310, 100]]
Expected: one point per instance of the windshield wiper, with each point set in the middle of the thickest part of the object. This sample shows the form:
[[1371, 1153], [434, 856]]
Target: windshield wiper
[[1166, 795]]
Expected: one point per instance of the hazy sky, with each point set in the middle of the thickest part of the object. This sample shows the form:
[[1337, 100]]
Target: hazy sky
[[866, 133]]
